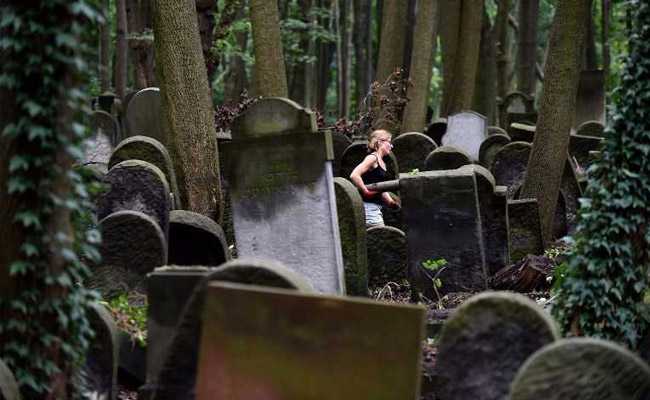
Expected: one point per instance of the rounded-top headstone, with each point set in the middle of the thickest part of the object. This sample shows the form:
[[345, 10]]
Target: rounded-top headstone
[[509, 166], [446, 157], [102, 357], [489, 148], [436, 130], [147, 149], [411, 149], [352, 229], [138, 186], [104, 122], [466, 130], [485, 342], [522, 132], [272, 116], [483, 175], [582, 369], [8, 385], [356, 152], [496, 130], [591, 128], [518, 102], [144, 115], [340, 142], [386, 255], [195, 239]]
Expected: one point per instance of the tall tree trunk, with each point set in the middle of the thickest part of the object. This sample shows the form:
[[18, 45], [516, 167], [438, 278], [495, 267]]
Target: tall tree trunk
[[605, 5], [556, 109], [205, 16], [187, 106], [121, 50], [362, 48], [503, 52], [485, 93], [527, 52], [376, 40], [461, 39], [235, 82], [105, 49], [591, 63], [270, 73], [140, 41], [298, 86], [326, 52], [343, 57], [408, 36], [424, 49], [393, 38]]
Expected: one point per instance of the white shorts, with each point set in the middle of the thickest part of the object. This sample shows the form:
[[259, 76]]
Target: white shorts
[[373, 214]]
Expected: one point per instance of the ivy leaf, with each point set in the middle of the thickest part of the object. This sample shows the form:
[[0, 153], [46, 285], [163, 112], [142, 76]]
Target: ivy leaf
[[18, 162], [28, 218]]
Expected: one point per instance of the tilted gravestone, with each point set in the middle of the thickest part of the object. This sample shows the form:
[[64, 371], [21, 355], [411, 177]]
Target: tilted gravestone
[[100, 367], [446, 157], [489, 148], [147, 149], [352, 228], [137, 186], [340, 142], [8, 385], [485, 342], [591, 128], [509, 166], [411, 149], [178, 361], [143, 115], [466, 131], [98, 147], [282, 191], [582, 369], [524, 229], [195, 239], [581, 146], [386, 255], [436, 130], [104, 122], [356, 152], [590, 100], [258, 343]]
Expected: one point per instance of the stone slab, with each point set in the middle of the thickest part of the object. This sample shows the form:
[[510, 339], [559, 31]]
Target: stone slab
[[411, 149], [144, 115], [386, 255], [446, 157], [195, 239], [466, 131], [525, 229]]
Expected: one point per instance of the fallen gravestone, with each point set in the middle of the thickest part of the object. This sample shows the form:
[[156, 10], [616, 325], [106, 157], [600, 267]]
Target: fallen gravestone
[[525, 230], [485, 342], [8, 385], [195, 239], [386, 255], [411, 149], [143, 115], [582, 369], [446, 157], [466, 131], [436, 130], [591, 128], [279, 173], [258, 343], [489, 148], [356, 152], [352, 229], [340, 142], [147, 149], [100, 366]]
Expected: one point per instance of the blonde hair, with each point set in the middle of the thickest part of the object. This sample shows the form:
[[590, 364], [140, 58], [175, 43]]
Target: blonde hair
[[374, 137]]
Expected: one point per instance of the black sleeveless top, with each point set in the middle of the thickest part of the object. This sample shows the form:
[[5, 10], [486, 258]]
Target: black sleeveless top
[[375, 175]]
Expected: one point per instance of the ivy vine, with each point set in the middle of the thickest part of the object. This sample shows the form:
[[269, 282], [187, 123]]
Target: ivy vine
[[45, 333]]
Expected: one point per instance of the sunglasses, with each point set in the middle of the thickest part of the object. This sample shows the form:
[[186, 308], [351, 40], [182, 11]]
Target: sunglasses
[[387, 141]]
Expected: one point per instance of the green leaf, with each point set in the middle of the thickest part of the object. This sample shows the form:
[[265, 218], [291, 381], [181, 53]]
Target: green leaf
[[18, 162]]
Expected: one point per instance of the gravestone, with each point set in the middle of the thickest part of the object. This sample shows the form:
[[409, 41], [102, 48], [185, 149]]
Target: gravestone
[[485, 341], [580, 148], [137, 186], [340, 142], [393, 216], [143, 115], [356, 152], [100, 367], [352, 229], [518, 102], [591, 128], [257, 343], [386, 255], [590, 100], [520, 132], [436, 130], [147, 149], [178, 362], [582, 369], [524, 228], [496, 130], [105, 123], [489, 148], [446, 157], [98, 147], [195, 239], [105, 101], [282, 191], [466, 130], [8, 385], [509, 166], [411, 149]]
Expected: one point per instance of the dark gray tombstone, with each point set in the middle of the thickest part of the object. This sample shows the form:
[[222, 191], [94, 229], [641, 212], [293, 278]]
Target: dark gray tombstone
[[466, 131], [520, 132], [386, 255], [489, 148], [393, 216], [147, 149], [496, 130], [276, 344], [340, 142], [518, 102], [8, 385], [97, 148], [105, 123], [137, 186], [177, 372], [582, 369], [446, 157], [524, 228], [411, 149], [509, 166], [581, 146], [100, 367], [144, 116], [436, 130], [590, 100], [591, 128], [485, 342], [195, 239], [352, 228], [282, 191], [356, 152]]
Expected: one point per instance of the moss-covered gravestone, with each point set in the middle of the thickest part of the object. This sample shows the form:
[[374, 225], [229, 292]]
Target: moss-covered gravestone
[[411, 149], [143, 115], [525, 229], [8, 385], [485, 342], [582, 369], [489, 148], [340, 142], [446, 157], [97, 147], [509, 166], [352, 228], [386, 255], [591, 128], [100, 367], [195, 239], [466, 131]]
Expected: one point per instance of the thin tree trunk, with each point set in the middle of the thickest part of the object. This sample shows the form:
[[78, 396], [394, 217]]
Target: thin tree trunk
[[591, 63], [298, 86], [556, 109], [605, 38], [379, 12], [393, 38], [326, 52], [503, 52], [424, 49], [205, 16], [270, 72], [342, 57], [235, 82], [527, 52], [105, 49], [485, 93], [187, 105], [121, 50], [362, 48], [408, 36]]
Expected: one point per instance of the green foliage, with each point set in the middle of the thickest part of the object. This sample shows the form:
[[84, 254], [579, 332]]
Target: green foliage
[[435, 267], [130, 316], [607, 277], [44, 330]]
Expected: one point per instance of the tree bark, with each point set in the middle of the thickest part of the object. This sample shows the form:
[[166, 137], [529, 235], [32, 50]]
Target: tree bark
[[591, 62], [236, 82], [408, 36], [424, 49], [485, 93], [140, 42], [605, 5], [502, 51], [270, 72], [527, 52], [326, 52], [362, 48], [343, 57], [205, 18], [298, 86], [121, 50], [105, 49], [187, 106], [393, 38], [556, 109]]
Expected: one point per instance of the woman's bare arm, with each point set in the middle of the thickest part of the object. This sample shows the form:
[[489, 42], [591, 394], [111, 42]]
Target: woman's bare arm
[[365, 166]]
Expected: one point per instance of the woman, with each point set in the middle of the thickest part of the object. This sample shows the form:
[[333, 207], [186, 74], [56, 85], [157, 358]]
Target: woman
[[373, 170]]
